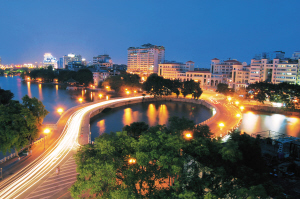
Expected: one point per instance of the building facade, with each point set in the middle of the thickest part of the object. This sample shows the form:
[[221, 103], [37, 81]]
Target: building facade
[[144, 60], [71, 58], [173, 70], [49, 60]]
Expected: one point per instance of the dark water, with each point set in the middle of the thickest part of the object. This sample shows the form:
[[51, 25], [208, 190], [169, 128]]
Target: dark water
[[254, 122], [52, 96], [152, 113]]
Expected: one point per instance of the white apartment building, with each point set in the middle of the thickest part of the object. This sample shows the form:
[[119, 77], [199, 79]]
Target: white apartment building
[[144, 60], [274, 71], [224, 67], [174, 70], [185, 72]]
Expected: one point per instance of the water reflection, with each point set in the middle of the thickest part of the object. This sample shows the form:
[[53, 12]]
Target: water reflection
[[129, 116], [101, 125], [262, 123], [28, 89], [40, 92], [163, 115], [151, 113]]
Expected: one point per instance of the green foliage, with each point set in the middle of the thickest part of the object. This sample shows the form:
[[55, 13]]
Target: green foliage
[[42, 73], [5, 96], [157, 85], [223, 88], [282, 93], [169, 166], [84, 76], [177, 124], [19, 123], [191, 87], [136, 129], [124, 81], [65, 75]]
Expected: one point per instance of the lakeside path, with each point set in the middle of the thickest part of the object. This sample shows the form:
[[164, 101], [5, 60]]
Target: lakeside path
[[34, 173]]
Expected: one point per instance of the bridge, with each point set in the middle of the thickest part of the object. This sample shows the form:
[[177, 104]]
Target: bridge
[[38, 179]]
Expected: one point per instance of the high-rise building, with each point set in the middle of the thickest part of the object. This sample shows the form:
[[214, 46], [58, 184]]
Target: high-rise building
[[71, 58], [102, 62], [144, 60], [270, 55], [49, 60], [296, 55], [274, 71]]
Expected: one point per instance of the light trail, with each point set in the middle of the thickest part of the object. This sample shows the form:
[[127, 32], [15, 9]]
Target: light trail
[[26, 178]]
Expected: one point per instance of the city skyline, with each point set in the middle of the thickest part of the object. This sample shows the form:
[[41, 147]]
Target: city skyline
[[198, 31]]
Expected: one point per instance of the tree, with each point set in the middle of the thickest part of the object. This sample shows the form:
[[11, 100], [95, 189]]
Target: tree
[[5, 96], [169, 166], [136, 129], [222, 88], [17, 127], [36, 107], [84, 76], [191, 87], [124, 81], [154, 85]]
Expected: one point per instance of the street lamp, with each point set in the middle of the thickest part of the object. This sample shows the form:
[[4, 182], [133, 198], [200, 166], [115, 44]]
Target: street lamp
[[60, 110], [100, 95], [237, 102], [46, 131], [80, 100], [242, 108], [188, 136], [238, 115], [132, 161]]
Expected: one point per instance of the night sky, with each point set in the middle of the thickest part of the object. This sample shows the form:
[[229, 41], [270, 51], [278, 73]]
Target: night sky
[[189, 30]]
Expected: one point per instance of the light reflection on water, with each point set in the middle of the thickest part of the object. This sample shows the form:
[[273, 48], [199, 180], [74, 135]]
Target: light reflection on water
[[257, 122], [151, 113]]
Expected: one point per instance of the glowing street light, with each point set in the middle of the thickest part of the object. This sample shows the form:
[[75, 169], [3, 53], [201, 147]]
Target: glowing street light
[[46, 131], [127, 92], [188, 135], [134, 91], [80, 100], [229, 98], [132, 161], [107, 87], [221, 125], [242, 108], [238, 115], [237, 102], [106, 97], [60, 110], [100, 95]]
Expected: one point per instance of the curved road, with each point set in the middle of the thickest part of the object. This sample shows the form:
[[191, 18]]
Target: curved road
[[38, 171]]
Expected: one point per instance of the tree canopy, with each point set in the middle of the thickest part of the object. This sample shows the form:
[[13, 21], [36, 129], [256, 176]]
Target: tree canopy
[[283, 93], [162, 163], [20, 123], [124, 81], [5, 96]]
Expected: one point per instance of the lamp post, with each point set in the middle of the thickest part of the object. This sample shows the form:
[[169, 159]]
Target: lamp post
[[46, 131]]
